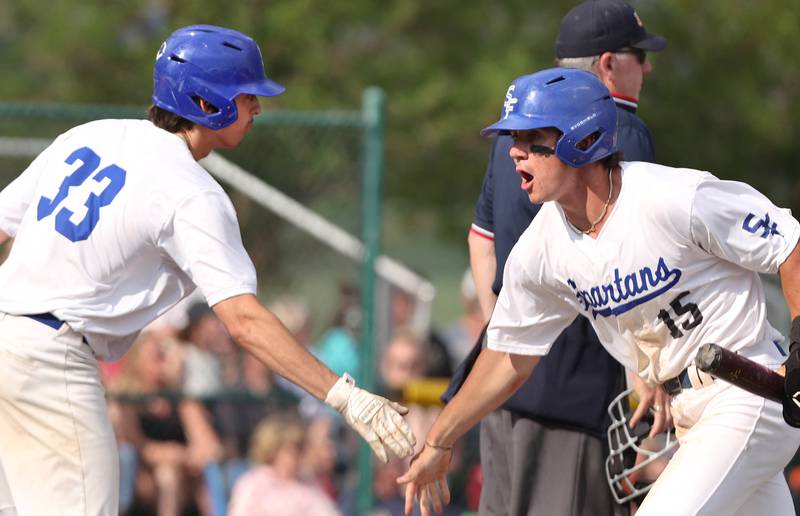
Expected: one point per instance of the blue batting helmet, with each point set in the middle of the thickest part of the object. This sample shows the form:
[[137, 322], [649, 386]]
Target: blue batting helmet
[[573, 101], [212, 63]]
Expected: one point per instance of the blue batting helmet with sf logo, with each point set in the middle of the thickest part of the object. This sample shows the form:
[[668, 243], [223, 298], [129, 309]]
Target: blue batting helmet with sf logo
[[212, 63], [573, 101]]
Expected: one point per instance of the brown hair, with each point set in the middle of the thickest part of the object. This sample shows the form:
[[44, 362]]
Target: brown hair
[[273, 433], [168, 120], [612, 160]]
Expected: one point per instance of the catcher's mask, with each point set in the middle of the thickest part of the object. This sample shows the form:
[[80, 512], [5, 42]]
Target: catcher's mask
[[632, 454]]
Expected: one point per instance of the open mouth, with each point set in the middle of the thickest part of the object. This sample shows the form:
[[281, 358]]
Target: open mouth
[[527, 179]]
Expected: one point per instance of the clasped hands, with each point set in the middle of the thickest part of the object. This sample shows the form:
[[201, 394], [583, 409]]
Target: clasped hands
[[380, 423]]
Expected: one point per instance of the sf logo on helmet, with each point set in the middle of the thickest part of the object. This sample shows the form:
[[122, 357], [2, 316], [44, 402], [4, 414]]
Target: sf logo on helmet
[[511, 100]]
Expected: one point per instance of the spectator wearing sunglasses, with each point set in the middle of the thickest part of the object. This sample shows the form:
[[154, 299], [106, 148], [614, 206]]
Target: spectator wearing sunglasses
[[542, 451]]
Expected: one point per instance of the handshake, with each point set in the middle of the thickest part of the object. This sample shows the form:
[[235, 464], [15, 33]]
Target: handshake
[[378, 420]]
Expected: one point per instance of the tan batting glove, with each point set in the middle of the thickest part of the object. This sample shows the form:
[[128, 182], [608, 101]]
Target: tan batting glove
[[377, 419]]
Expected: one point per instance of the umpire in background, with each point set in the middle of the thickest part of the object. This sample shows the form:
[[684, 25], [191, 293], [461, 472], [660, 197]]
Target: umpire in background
[[543, 452]]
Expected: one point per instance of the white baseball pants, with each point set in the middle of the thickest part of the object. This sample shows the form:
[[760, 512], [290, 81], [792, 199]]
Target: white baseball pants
[[733, 448], [58, 454]]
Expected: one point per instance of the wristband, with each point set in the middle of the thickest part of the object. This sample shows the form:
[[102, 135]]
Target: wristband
[[340, 392], [438, 446]]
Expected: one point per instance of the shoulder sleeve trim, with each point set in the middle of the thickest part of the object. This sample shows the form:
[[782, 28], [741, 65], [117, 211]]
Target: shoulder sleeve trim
[[488, 235]]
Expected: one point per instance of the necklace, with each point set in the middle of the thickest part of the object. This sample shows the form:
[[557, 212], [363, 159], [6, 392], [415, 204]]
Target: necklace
[[605, 206]]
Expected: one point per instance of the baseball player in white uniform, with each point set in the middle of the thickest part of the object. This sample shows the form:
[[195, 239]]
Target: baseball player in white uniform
[[113, 224], [661, 260]]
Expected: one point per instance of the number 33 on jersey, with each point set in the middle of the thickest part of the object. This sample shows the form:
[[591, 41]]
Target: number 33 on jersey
[[105, 185]]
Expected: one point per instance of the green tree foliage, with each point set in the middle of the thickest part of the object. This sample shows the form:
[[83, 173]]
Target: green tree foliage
[[721, 97], [724, 94]]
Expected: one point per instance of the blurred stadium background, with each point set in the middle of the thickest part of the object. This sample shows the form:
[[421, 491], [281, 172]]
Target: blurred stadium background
[[721, 98]]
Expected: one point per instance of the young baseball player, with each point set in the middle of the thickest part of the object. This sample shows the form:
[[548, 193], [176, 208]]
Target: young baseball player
[[114, 223], [661, 261], [563, 404]]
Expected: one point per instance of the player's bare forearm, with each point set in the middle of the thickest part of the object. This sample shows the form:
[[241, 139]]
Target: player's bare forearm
[[261, 333], [378, 420], [493, 379], [483, 262], [789, 272], [3, 238]]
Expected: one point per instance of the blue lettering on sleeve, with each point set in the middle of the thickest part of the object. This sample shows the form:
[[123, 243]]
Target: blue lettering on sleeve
[[765, 225]]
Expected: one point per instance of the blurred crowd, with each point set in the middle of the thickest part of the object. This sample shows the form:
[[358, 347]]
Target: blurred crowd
[[203, 428]]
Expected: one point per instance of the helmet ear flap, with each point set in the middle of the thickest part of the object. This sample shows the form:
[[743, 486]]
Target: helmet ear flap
[[572, 151], [225, 108], [189, 105]]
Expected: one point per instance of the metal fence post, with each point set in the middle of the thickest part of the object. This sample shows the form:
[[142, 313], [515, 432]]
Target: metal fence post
[[373, 111]]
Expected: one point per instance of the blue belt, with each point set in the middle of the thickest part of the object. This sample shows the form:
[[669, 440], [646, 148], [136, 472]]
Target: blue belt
[[47, 319], [674, 386]]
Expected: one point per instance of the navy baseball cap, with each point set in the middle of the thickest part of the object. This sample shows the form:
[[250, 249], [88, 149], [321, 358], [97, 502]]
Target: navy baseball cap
[[597, 26]]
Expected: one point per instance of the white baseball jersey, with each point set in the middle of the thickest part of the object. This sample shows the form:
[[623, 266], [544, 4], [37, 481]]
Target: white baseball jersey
[[674, 267], [114, 223]]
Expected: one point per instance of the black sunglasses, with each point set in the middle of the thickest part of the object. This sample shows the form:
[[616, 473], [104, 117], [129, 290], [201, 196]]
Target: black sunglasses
[[641, 55]]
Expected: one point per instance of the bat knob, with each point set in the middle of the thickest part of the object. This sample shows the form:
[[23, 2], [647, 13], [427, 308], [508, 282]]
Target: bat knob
[[708, 358]]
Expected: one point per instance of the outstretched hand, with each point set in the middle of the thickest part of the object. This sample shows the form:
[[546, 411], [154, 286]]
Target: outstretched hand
[[426, 480]]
